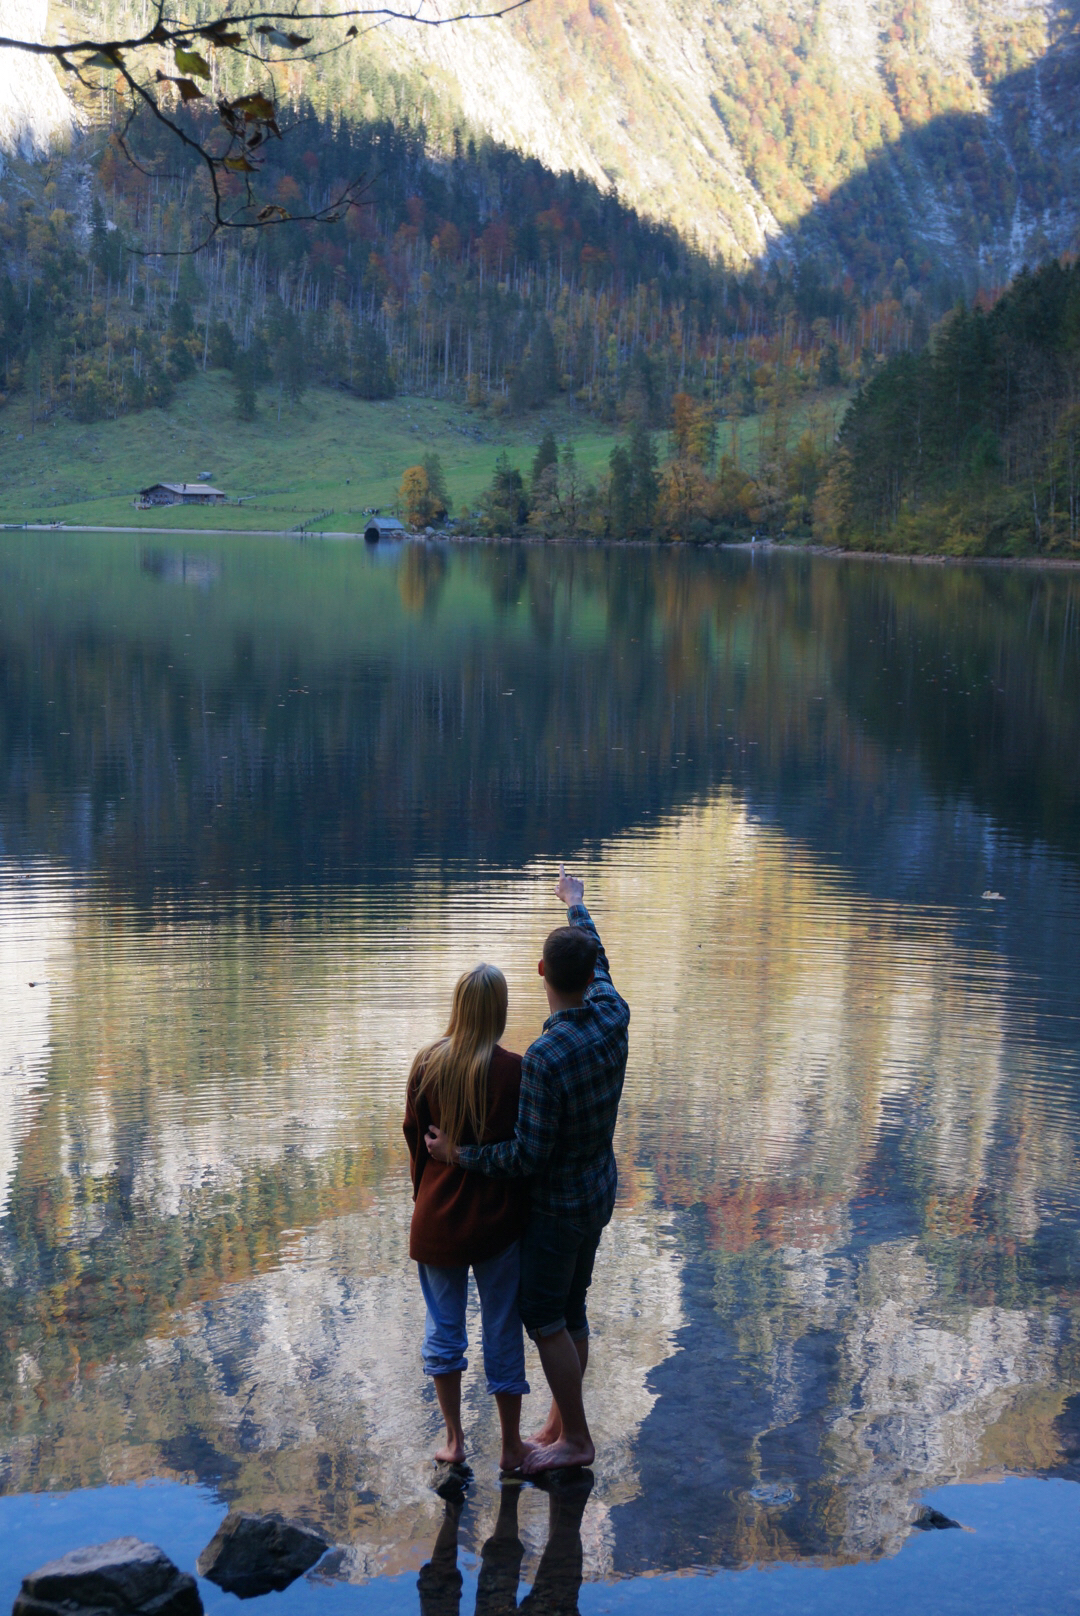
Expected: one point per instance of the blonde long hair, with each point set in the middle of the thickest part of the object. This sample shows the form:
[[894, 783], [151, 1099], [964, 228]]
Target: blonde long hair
[[453, 1070]]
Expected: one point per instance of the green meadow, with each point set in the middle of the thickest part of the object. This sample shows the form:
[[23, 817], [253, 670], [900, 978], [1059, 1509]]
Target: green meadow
[[319, 465]]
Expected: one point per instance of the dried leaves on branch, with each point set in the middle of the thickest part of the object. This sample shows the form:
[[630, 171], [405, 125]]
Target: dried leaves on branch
[[170, 73]]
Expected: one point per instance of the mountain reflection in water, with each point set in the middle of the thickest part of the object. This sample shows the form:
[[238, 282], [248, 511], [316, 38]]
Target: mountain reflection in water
[[251, 834]]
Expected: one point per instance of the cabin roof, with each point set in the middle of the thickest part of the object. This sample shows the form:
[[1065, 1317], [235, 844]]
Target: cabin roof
[[390, 522], [183, 488]]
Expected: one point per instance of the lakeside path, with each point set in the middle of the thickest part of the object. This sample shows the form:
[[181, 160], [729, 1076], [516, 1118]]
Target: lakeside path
[[1040, 563]]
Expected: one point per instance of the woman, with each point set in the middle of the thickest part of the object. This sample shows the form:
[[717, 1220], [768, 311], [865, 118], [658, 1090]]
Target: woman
[[467, 1085]]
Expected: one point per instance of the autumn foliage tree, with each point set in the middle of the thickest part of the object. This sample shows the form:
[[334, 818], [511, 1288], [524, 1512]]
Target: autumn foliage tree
[[415, 496]]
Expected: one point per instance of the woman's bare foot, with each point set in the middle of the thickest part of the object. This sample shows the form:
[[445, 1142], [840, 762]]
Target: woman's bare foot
[[562, 1455], [452, 1450], [550, 1431]]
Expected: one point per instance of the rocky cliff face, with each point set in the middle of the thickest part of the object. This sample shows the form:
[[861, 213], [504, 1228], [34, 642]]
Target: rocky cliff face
[[34, 111], [948, 125], [854, 132]]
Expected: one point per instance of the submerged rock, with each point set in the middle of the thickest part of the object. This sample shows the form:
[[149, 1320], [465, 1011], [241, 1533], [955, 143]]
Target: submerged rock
[[932, 1520], [452, 1481], [259, 1554], [126, 1577]]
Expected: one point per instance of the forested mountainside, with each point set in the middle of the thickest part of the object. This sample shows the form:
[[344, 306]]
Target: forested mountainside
[[488, 279], [941, 133], [972, 445], [479, 275]]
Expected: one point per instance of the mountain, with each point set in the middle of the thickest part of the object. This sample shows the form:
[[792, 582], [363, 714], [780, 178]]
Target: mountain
[[948, 127], [944, 133]]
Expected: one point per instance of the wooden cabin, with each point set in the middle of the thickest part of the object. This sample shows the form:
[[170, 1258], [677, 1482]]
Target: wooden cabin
[[179, 494]]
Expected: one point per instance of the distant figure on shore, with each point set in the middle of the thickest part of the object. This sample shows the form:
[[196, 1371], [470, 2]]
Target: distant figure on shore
[[467, 1085], [571, 1084]]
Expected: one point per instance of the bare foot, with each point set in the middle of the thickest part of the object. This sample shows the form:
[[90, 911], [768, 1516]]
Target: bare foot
[[514, 1454], [561, 1455], [549, 1432], [451, 1452]]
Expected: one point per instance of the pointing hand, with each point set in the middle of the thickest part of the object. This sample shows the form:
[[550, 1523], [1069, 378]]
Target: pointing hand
[[568, 889]]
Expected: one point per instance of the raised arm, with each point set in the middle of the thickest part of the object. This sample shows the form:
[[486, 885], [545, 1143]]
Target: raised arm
[[571, 891]]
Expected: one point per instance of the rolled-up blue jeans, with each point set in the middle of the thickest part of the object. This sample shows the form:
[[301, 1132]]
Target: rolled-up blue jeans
[[446, 1292]]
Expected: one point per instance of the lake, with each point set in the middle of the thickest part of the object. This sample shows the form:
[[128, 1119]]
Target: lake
[[262, 801]]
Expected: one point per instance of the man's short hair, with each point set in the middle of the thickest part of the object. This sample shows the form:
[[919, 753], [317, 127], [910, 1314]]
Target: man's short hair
[[569, 959]]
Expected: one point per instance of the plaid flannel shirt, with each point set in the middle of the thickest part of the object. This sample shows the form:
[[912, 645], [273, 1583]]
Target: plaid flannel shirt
[[571, 1084]]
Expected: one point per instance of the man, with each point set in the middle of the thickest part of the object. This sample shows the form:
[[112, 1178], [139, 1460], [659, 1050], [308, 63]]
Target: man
[[571, 1084]]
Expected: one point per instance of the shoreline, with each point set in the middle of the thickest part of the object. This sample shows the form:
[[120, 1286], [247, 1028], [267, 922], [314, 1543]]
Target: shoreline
[[1039, 563], [769, 546]]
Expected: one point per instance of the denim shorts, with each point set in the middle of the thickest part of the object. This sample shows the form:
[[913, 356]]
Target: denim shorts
[[556, 1271], [446, 1292]]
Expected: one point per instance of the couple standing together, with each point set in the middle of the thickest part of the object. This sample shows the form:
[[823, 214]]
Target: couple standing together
[[514, 1177]]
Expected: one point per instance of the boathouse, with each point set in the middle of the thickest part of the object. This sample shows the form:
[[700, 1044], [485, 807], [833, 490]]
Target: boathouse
[[383, 527]]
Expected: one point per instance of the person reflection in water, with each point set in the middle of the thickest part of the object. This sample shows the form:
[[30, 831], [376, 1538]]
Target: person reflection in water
[[571, 1084], [558, 1576], [468, 1085]]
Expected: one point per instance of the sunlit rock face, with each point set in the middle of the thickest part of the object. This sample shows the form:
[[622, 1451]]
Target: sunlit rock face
[[34, 111], [868, 135], [736, 122]]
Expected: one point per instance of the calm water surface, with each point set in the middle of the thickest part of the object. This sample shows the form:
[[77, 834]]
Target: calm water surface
[[260, 803]]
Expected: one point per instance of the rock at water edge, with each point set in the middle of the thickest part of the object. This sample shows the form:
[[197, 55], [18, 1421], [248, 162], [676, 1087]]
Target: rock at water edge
[[259, 1554], [932, 1520], [125, 1576]]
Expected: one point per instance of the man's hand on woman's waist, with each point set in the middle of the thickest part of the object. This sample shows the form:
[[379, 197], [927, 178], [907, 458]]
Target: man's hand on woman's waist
[[439, 1147]]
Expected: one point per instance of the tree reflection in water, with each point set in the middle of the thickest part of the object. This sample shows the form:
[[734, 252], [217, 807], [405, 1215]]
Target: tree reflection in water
[[253, 830]]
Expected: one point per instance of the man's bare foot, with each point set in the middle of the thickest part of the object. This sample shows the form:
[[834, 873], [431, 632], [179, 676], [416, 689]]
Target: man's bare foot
[[451, 1452], [514, 1454], [562, 1455]]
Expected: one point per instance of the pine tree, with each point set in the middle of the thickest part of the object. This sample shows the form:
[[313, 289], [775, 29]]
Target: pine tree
[[504, 505], [547, 454], [644, 484], [620, 492], [436, 479]]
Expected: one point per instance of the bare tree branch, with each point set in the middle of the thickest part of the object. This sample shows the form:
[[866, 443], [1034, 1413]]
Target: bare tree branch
[[246, 123]]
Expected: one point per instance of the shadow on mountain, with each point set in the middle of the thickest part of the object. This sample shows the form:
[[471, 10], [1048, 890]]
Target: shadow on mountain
[[965, 199]]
